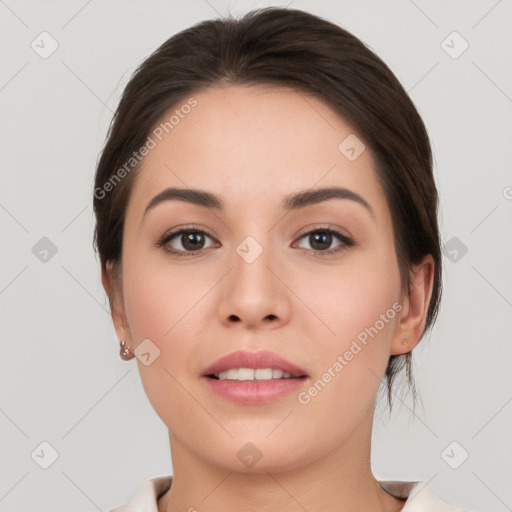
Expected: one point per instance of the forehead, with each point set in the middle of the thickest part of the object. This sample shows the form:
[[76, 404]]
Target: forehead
[[247, 143]]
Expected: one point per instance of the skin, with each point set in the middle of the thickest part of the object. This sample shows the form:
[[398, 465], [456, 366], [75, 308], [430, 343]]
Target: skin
[[252, 147]]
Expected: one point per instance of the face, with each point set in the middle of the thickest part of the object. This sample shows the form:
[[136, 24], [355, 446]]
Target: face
[[255, 276]]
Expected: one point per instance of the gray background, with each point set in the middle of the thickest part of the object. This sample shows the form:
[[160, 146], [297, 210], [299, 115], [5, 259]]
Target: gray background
[[62, 381]]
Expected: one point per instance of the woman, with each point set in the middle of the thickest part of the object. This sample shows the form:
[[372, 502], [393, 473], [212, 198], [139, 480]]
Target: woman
[[267, 231]]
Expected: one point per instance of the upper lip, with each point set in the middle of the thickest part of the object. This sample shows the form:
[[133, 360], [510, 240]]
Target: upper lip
[[262, 359]]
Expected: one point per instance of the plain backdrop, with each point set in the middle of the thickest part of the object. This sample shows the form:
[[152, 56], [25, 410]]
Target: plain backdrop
[[66, 394]]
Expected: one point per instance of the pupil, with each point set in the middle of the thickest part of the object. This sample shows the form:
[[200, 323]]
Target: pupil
[[321, 240]]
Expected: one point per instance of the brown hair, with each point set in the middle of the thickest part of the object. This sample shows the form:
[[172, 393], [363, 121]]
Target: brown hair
[[291, 48]]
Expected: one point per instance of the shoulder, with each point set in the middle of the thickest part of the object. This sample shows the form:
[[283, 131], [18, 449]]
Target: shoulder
[[420, 497], [146, 498]]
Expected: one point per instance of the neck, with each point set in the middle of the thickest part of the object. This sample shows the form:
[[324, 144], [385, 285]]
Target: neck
[[339, 480]]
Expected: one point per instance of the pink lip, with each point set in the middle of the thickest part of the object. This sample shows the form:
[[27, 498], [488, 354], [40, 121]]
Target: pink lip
[[262, 359], [254, 392]]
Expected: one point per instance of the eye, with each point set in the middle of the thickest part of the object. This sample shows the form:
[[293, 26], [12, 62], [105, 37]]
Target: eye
[[192, 240], [185, 240], [320, 240]]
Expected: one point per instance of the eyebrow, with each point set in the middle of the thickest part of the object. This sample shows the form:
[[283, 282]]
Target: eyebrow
[[293, 201]]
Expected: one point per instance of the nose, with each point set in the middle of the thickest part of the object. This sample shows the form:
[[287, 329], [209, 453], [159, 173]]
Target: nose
[[253, 293]]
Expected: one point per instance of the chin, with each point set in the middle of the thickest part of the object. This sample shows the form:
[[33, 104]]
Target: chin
[[260, 456]]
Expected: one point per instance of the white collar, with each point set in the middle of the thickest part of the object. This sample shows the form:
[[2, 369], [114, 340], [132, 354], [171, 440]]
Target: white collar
[[420, 496]]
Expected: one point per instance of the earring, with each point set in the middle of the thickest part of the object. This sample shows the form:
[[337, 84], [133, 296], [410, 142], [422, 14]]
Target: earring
[[125, 353]]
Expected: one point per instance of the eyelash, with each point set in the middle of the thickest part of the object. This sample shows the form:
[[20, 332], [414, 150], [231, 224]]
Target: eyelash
[[346, 242]]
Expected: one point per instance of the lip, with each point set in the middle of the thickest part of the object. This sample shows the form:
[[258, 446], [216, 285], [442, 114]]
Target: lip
[[254, 392], [261, 359]]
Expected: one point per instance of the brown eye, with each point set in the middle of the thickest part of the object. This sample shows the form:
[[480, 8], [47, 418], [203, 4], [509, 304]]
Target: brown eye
[[321, 240], [185, 241], [192, 241]]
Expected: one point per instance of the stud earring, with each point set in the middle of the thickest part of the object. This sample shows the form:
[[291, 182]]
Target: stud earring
[[125, 353]]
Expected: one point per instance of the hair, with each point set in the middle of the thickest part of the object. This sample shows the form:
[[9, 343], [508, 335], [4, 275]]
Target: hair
[[283, 48]]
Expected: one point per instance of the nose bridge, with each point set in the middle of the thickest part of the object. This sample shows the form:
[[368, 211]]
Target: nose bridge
[[251, 260], [252, 292]]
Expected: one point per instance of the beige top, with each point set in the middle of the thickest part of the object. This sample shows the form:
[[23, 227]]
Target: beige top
[[420, 497]]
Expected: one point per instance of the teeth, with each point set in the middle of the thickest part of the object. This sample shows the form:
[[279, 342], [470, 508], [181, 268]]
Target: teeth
[[252, 374]]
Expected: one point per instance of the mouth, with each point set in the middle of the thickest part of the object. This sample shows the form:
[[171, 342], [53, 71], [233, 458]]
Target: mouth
[[254, 386], [254, 378], [254, 374], [253, 366]]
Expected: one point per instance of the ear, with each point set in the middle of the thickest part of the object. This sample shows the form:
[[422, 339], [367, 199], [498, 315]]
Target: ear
[[113, 289], [413, 315]]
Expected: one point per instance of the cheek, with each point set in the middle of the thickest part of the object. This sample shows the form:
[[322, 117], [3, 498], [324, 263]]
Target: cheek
[[352, 296], [365, 310], [357, 307], [159, 299], [170, 306], [166, 306]]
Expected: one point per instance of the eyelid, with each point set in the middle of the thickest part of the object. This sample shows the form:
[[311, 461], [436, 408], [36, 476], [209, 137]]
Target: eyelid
[[324, 227], [186, 227]]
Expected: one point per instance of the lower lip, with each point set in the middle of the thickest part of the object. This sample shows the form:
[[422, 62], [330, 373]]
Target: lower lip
[[254, 391]]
